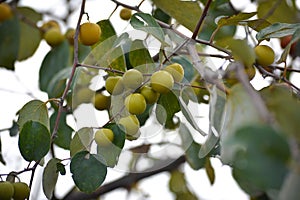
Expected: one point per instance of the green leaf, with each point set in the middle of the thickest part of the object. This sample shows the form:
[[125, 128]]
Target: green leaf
[[9, 42], [186, 13], [235, 19], [177, 182], [258, 24], [260, 156], [34, 141], [1, 157], [189, 70], [277, 30], [139, 55], [88, 171], [110, 154], [57, 83], [55, 60], [290, 188], [61, 168], [50, 176], [14, 129], [30, 36], [34, 110], [107, 30], [167, 107], [145, 22], [161, 15], [81, 141], [209, 171], [64, 131]]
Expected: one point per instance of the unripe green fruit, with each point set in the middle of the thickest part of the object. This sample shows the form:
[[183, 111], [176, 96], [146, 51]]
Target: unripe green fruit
[[149, 94], [131, 126], [132, 79], [176, 70], [101, 101], [5, 12], [21, 191], [162, 81], [265, 55], [89, 33], [54, 37], [114, 85], [70, 33], [6, 190], [104, 137], [125, 14], [135, 103]]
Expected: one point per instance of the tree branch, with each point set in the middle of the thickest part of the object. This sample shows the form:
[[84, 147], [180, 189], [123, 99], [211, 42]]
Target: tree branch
[[126, 181]]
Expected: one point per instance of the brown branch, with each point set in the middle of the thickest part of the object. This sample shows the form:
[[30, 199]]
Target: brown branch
[[124, 182]]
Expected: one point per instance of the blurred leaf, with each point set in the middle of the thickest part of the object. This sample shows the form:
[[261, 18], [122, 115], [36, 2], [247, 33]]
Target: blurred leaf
[[285, 53], [64, 131], [186, 13], [9, 42], [209, 171], [145, 22], [34, 141], [177, 182], [55, 60], [189, 70], [1, 157], [162, 16], [247, 56], [276, 11], [57, 83], [284, 107], [191, 148], [34, 110], [145, 115], [290, 188], [168, 106], [139, 55], [260, 157], [30, 36], [110, 154], [88, 171], [14, 129], [107, 30], [50, 176], [258, 24], [81, 141], [235, 19], [277, 30]]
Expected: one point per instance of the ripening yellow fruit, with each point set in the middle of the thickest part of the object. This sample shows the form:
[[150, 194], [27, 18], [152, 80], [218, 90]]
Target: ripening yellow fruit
[[125, 14], [21, 191], [114, 85], [135, 103], [162, 81], [131, 126], [49, 24], [132, 78], [101, 101], [265, 55], [89, 33], [5, 12], [149, 94], [54, 37], [70, 35], [6, 190], [104, 137], [176, 70]]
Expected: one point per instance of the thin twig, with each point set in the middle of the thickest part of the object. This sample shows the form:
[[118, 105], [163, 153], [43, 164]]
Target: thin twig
[[204, 13]]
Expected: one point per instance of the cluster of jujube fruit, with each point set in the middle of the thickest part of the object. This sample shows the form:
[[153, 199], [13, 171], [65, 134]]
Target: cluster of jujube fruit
[[137, 91], [16, 190]]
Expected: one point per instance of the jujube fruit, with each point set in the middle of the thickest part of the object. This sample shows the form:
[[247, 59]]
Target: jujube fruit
[[104, 137], [149, 94], [114, 85], [131, 126], [5, 12], [21, 191], [54, 37], [265, 55], [125, 14], [135, 103], [89, 33], [6, 190], [132, 78], [70, 33], [176, 70], [101, 101], [162, 81]]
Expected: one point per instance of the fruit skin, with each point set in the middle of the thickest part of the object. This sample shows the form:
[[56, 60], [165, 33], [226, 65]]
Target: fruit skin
[[265, 55], [89, 33], [149, 94], [132, 78], [54, 37], [104, 137], [284, 41], [176, 70], [135, 103], [114, 85], [230, 74], [5, 12], [162, 81], [101, 101], [21, 191], [6, 190], [125, 14], [131, 126]]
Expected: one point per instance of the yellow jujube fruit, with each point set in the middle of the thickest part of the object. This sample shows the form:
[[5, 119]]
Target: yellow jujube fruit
[[125, 14], [21, 191], [6, 190], [132, 78], [265, 55], [5, 12], [176, 70], [104, 137], [89, 33], [162, 81], [135, 103], [130, 125]]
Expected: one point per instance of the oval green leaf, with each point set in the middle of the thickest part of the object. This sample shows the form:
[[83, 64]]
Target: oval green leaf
[[50, 176], [81, 141]]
